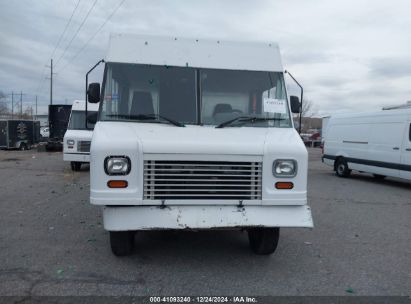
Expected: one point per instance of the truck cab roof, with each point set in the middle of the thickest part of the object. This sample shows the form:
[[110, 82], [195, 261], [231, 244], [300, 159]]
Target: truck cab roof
[[80, 105], [192, 52]]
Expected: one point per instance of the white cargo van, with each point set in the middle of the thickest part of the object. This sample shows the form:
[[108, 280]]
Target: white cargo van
[[377, 142], [77, 139], [196, 134]]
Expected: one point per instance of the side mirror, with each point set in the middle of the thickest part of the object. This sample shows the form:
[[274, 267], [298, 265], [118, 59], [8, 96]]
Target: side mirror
[[295, 104], [92, 118], [93, 93]]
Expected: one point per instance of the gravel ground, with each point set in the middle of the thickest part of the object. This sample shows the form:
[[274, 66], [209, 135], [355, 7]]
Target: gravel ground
[[52, 241]]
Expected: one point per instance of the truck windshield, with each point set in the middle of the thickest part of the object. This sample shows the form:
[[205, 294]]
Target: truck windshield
[[194, 96], [78, 120]]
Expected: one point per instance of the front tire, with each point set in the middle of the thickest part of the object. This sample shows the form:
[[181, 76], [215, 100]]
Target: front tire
[[122, 242], [75, 166], [23, 147], [341, 168], [263, 241]]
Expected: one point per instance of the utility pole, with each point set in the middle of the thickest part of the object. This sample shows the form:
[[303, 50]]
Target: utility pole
[[51, 81], [36, 106], [12, 105], [21, 104]]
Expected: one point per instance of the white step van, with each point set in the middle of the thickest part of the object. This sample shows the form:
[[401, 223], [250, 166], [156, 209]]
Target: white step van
[[77, 139], [196, 134], [375, 142]]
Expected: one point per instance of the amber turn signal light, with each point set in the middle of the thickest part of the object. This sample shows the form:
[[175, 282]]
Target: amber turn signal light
[[284, 185], [117, 184]]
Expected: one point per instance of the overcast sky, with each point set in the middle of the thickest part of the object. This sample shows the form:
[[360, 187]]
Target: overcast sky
[[350, 55]]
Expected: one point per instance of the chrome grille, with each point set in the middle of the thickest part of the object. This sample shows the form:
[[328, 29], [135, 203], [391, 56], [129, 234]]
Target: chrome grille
[[83, 146], [202, 180]]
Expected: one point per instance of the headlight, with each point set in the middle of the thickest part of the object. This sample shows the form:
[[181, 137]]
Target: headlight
[[285, 168], [70, 142], [117, 165]]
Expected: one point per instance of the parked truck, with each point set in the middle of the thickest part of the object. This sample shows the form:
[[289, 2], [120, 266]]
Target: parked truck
[[377, 142], [196, 134], [58, 120], [19, 133], [77, 139]]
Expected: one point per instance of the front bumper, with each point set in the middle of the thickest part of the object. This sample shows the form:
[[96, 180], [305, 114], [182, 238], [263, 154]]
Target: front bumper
[[204, 217], [77, 157]]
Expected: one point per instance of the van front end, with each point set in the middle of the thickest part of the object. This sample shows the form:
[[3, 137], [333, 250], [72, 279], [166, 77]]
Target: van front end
[[76, 147], [77, 139], [153, 177], [199, 136]]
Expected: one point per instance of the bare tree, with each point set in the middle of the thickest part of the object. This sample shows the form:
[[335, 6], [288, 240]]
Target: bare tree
[[28, 112], [3, 103], [308, 108], [3, 108]]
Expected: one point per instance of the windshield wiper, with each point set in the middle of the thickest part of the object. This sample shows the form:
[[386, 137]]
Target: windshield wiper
[[245, 119], [154, 117]]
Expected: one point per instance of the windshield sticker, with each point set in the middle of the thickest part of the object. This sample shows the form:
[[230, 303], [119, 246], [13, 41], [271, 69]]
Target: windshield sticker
[[272, 105]]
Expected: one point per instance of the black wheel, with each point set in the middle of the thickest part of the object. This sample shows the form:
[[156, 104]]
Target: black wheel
[[75, 166], [263, 240], [379, 176], [341, 168], [23, 147], [122, 242]]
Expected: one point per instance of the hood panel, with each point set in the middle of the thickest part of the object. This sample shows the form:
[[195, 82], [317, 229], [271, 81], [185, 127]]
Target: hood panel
[[164, 138], [78, 134]]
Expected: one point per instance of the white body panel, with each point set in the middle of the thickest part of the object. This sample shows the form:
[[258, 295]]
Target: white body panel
[[324, 127], [201, 53], [375, 142], [406, 151], [80, 105], [73, 153], [130, 209]]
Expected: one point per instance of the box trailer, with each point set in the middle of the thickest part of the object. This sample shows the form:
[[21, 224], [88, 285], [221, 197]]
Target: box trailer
[[373, 142], [196, 134], [58, 120], [19, 134], [77, 139]]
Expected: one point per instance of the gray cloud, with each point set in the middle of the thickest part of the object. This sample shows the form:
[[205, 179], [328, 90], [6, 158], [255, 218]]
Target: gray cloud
[[349, 55], [392, 67]]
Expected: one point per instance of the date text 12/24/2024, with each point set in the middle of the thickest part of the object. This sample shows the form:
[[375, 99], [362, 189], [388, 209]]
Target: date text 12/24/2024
[[203, 299]]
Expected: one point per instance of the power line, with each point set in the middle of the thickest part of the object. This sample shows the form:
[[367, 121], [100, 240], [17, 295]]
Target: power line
[[76, 33], [65, 29], [94, 35], [41, 81]]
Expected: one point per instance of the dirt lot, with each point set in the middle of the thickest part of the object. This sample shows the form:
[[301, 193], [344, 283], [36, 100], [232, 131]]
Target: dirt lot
[[52, 241]]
